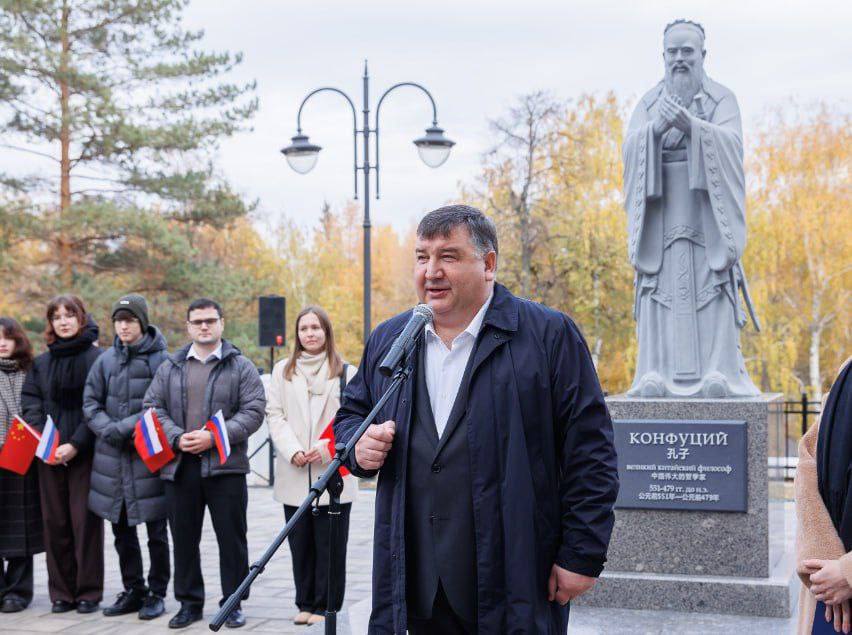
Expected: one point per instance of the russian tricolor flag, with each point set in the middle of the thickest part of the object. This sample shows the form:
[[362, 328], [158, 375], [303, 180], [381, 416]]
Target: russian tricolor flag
[[151, 442], [46, 449], [150, 438], [216, 425]]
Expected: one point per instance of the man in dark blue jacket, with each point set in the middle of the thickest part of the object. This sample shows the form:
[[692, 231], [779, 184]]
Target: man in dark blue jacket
[[497, 471]]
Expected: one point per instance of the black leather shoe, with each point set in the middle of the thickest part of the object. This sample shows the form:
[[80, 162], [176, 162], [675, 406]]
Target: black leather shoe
[[61, 606], [236, 619], [87, 606], [152, 607], [12, 604], [126, 602], [186, 616]]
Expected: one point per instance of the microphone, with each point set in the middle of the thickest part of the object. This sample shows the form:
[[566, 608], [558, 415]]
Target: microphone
[[420, 317]]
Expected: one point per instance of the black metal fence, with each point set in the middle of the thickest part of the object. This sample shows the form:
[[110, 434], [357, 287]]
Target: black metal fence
[[799, 415], [267, 443]]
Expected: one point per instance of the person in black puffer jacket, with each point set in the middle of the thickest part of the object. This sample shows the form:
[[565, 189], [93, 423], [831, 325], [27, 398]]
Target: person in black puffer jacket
[[123, 490], [74, 536]]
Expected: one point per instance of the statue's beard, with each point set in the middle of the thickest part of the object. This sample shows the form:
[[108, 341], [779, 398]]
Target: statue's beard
[[684, 85]]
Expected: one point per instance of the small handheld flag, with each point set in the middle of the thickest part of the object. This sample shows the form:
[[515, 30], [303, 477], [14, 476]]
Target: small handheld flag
[[328, 435], [49, 441], [216, 425], [151, 443], [19, 449]]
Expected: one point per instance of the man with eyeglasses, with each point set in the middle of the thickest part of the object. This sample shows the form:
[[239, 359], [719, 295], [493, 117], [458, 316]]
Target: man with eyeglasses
[[203, 377]]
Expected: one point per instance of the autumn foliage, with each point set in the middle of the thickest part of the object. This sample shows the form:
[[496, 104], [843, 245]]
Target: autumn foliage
[[130, 200]]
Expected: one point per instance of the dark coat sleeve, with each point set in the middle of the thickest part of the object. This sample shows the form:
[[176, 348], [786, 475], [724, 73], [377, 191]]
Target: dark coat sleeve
[[248, 417], [355, 404], [32, 399], [83, 438], [94, 404], [126, 427], [588, 483], [157, 397]]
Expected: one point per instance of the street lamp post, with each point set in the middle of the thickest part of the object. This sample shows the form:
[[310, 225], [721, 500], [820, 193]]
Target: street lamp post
[[301, 154]]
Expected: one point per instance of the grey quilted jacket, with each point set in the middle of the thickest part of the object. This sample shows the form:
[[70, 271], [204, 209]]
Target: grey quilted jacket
[[234, 387], [112, 404]]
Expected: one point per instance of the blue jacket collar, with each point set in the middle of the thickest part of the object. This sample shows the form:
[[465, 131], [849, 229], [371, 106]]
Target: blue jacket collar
[[504, 310]]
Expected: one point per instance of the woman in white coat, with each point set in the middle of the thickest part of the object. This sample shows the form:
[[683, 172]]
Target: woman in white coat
[[303, 397]]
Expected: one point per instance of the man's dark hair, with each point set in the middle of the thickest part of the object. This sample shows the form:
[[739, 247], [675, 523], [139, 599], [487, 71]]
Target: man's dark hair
[[204, 303], [124, 315], [442, 222]]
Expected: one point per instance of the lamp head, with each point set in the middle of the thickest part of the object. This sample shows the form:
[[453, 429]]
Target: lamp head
[[434, 148], [301, 154]]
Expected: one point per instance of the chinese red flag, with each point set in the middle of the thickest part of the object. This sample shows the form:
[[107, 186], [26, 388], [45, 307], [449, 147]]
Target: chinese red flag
[[328, 435], [20, 447]]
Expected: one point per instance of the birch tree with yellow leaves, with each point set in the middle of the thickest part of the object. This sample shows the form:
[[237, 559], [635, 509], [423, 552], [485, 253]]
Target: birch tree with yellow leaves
[[800, 249]]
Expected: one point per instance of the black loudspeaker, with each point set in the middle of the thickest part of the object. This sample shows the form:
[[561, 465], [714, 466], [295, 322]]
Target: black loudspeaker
[[271, 318]]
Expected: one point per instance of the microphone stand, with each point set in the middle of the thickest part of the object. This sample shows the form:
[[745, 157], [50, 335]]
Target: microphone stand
[[331, 481]]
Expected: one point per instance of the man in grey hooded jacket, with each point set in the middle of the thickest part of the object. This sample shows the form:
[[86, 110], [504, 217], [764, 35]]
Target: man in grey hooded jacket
[[191, 386]]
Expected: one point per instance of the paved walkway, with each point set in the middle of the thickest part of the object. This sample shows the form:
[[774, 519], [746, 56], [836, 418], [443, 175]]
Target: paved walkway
[[269, 610], [271, 606]]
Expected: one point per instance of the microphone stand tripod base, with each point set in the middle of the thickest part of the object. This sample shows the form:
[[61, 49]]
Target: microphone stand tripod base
[[335, 489]]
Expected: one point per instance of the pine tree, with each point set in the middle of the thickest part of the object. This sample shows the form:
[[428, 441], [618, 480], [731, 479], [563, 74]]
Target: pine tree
[[119, 96]]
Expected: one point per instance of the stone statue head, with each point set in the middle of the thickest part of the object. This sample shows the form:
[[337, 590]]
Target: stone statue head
[[683, 54]]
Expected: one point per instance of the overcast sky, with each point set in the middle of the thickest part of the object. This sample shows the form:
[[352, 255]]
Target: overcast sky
[[477, 57]]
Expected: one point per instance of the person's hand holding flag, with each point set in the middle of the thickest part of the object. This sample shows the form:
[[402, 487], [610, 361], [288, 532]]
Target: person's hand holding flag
[[49, 443], [150, 441], [20, 447], [216, 426], [328, 436]]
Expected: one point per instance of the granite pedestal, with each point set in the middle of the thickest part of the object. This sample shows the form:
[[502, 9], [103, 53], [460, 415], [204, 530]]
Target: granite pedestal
[[705, 561]]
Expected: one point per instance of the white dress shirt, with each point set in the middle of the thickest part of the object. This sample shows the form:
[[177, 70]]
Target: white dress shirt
[[217, 354], [445, 366]]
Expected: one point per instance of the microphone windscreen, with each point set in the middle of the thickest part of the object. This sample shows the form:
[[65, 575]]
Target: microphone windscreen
[[426, 311]]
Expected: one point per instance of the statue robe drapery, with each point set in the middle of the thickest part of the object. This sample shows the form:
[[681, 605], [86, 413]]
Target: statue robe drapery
[[685, 202]]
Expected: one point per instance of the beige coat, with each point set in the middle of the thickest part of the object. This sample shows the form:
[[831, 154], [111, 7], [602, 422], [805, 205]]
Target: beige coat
[[816, 536], [288, 416]]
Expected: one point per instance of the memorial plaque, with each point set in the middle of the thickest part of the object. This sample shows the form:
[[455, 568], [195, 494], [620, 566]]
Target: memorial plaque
[[688, 465]]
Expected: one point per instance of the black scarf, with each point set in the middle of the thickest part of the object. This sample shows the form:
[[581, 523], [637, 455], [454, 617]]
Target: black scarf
[[834, 455], [68, 368]]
